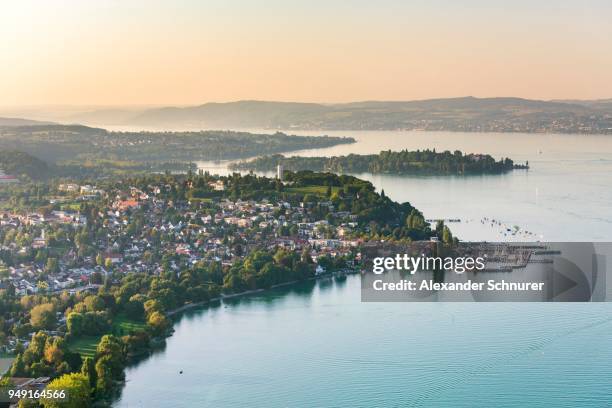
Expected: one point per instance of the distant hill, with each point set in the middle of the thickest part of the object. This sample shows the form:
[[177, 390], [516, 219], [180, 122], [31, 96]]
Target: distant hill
[[233, 114], [604, 105], [20, 164], [80, 144], [453, 114], [109, 116], [22, 122]]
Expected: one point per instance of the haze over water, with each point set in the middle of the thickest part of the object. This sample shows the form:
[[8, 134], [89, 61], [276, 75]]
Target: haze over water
[[317, 345]]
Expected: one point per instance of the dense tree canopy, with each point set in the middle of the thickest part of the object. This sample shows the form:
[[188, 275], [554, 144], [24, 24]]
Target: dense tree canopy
[[422, 162]]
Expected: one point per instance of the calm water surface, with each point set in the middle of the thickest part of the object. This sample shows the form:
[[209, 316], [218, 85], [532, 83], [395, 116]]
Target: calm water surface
[[565, 196], [317, 345]]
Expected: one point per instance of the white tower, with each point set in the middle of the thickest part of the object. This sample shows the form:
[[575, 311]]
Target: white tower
[[279, 172]]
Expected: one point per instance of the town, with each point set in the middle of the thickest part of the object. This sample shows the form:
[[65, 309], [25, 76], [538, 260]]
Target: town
[[92, 271], [185, 232]]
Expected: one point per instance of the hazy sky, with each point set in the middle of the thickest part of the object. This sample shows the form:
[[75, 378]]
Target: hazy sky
[[190, 52]]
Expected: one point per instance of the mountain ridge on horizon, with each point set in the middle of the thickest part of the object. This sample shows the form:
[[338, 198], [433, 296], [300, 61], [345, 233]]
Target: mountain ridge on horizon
[[577, 102], [504, 114], [11, 122], [468, 113]]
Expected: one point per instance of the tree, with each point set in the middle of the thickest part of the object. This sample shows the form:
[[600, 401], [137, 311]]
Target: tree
[[415, 220], [43, 316], [52, 265], [18, 367], [447, 237], [134, 308], [77, 388], [151, 306], [137, 342], [42, 286], [28, 403], [54, 354], [158, 323], [88, 369], [94, 303], [111, 346], [110, 359], [74, 323], [104, 375]]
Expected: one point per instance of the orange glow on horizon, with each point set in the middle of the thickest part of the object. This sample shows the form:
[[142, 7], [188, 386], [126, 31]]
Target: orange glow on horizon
[[188, 52]]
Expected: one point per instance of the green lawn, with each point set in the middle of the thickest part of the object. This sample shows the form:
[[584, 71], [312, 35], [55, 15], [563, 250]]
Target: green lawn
[[321, 190], [70, 206], [123, 325], [86, 345]]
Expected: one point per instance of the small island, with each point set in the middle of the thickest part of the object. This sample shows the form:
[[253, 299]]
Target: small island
[[418, 162]]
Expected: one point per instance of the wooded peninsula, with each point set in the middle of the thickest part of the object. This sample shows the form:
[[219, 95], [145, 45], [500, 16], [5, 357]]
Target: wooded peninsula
[[420, 162], [70, 144]]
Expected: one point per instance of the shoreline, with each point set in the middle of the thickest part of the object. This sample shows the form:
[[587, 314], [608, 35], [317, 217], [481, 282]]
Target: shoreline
[[235, 295], [250, 292]]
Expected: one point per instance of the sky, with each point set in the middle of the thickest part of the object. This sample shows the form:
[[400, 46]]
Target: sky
[[182, 52]]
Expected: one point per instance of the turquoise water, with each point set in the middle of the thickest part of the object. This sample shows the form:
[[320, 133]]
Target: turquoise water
[[317, 345]]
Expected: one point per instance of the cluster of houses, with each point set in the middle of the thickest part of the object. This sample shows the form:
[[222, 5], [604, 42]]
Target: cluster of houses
[[177, 235], [25, 278], [54, 217], [7, 179], [86, 189]]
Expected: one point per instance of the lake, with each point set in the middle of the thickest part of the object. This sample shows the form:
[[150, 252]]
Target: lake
[[317, 345], [565, 196]]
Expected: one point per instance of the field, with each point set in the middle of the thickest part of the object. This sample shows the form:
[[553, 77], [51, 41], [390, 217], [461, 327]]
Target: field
[[319, 190], [74, 206], [123, 325], [86, 345]]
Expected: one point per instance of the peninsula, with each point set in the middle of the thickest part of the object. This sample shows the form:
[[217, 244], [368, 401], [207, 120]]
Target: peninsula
[[419, 162]]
